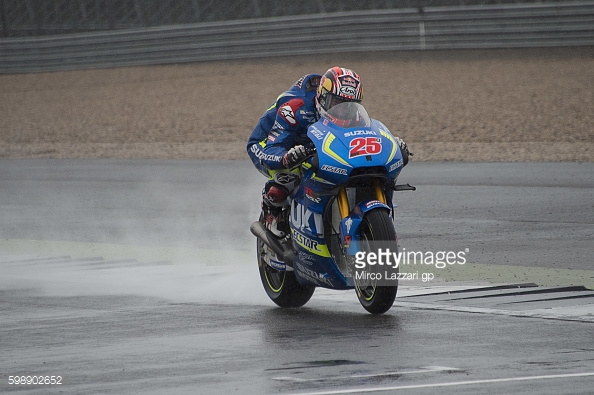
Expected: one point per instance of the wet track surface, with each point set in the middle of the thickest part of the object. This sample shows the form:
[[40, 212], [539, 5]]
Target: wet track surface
[[139, 277]]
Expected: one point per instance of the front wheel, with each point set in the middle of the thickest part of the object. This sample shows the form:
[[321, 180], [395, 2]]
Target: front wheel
[[376, 227], [281, 286]]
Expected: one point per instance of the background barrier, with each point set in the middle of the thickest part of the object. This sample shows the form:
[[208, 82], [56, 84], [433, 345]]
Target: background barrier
[[566, 23]]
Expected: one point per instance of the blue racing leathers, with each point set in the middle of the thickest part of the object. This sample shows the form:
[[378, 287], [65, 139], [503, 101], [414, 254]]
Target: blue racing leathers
[[284, 125]]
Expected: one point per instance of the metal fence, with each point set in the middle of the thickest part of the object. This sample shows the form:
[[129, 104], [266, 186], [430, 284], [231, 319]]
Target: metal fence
[[43, 17], [493, 26]]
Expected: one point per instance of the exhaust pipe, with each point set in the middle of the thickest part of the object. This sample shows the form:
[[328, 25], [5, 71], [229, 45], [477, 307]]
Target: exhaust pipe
[[271, 241]]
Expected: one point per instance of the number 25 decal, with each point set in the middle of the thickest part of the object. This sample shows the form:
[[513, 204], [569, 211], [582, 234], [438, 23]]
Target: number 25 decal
[[365, 146]]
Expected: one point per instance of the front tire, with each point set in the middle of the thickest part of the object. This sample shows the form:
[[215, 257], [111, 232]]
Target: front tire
[[376, 227], [281, 286]]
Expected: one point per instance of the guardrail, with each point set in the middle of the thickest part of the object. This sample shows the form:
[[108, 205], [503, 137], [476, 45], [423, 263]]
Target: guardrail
[[501, 26]]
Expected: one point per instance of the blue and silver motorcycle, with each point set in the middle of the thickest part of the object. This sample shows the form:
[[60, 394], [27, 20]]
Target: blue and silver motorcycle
[[343, 205]]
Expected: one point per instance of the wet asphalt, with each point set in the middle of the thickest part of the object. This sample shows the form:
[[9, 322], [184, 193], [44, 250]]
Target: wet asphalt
[[147, 324]]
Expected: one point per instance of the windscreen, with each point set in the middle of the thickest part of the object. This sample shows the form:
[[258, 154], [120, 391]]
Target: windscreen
[[349, 114]]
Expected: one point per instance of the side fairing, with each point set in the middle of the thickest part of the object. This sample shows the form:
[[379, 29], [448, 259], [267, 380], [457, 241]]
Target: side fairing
[[313, 262]]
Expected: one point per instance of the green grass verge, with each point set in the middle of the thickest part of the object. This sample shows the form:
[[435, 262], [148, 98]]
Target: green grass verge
[[176, 255], [466, 273]]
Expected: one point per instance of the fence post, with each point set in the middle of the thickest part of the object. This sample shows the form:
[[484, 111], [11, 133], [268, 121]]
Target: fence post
[[422, 29], [3, 19]]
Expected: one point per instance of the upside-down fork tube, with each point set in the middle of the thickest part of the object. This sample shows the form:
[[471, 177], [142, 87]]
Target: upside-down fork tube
[[343, 203], [379, 193]]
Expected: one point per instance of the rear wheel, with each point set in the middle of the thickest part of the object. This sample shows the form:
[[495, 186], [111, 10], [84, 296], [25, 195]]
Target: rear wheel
[[281, 286], [376, 227]]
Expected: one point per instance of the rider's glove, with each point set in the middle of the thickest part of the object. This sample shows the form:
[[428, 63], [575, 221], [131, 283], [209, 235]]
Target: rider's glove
[[294, 156], [403, 147]]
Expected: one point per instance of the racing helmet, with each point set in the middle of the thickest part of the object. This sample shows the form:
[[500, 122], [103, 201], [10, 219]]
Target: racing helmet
[[338, 85]]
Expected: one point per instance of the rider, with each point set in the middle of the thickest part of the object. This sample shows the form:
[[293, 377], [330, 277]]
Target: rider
[[276, 146]]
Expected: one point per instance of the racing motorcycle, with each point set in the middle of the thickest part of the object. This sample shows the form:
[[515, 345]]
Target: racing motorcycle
[[341, 206]]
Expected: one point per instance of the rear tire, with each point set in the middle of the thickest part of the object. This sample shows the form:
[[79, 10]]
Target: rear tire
[[376, 226], [281, 286]]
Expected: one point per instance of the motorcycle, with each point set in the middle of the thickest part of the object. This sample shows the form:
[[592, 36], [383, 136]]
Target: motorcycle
[[342, 207]]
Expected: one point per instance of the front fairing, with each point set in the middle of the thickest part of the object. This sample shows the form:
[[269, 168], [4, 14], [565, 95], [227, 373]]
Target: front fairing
[[363, 143]]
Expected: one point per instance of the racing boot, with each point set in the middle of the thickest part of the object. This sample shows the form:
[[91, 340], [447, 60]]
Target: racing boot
[[274, 198]]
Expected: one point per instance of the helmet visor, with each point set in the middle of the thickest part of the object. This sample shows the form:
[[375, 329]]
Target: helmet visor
[[334, 100]]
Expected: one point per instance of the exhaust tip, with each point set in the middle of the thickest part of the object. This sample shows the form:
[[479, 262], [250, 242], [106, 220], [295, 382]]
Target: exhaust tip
[[268, 238]]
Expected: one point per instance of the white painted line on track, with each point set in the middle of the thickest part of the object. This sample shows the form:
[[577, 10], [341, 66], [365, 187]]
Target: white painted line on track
[[580, 313], [427, 369], [449, 384]]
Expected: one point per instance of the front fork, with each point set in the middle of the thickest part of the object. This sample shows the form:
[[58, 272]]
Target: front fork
[[351, 218], [343, 201]]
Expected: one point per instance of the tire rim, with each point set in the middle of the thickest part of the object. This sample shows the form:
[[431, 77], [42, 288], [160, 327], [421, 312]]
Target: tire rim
[[367, 292]]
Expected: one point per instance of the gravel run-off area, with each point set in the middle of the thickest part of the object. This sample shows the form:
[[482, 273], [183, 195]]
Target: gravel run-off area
[[458, 105]]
